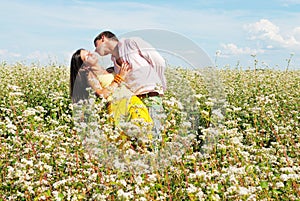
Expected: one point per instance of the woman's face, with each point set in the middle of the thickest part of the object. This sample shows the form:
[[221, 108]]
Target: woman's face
[[89, 58]]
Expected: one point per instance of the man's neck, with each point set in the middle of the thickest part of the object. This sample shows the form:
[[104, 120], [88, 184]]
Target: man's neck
[[115, 51]]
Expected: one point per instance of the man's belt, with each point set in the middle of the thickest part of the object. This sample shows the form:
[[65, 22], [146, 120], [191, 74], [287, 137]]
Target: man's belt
[[150, 94]]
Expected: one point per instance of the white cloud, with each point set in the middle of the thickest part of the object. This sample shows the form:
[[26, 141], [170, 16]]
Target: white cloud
[[6, 53], [38, 55], [288, 3], [232, 49], [265, 30], [296, 33], [42, 57]]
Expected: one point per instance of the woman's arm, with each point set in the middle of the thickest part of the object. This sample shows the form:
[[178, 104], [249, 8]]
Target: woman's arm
[[94, 82], [105, 92]]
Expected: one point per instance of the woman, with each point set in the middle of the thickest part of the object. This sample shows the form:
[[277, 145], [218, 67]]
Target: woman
[[86, 72]]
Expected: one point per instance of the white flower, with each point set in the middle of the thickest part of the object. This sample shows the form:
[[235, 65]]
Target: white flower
[[218, 113], [14, 87], [243, 191], [10, 172], [200, 195], [200, 173], [186, 124], [205, 113], [284, 177], [216, 197], [92, 101], [37, 119], [279, 185], [232, 179], [29, 112], [58, 183], [124, 195], [287, 169], [11, 126], [198, 96], [237, 109], [139, 191], [231, 189], [191, 188], [192, 176], [152, 177], [209, 103], [123, 182], [56, 195], [139, 180], [10, 169], [40, 108], [252, 197], [27, 162], [235, 140], [16, 94]]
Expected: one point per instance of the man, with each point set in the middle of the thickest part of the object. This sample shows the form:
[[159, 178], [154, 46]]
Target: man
[[146, 79]]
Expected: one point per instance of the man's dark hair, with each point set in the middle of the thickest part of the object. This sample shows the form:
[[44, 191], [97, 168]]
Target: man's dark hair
[[107, 34]]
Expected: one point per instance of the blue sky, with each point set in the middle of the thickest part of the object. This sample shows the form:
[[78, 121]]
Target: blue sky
[[228, 31]]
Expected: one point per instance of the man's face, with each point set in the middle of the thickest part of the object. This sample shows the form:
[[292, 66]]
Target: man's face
[[101, 47]]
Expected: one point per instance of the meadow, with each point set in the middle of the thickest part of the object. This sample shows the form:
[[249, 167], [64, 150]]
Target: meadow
[[229, 135]]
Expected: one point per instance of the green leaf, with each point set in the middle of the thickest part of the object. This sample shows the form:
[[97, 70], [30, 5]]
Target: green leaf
[[264, 184], [60, 195], [277, 191]]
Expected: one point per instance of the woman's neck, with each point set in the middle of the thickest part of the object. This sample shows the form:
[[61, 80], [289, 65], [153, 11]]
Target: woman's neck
[[97, 68]]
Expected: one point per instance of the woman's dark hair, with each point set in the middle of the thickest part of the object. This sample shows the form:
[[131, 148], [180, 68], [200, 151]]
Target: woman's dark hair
[[107, 34], [78, 78]]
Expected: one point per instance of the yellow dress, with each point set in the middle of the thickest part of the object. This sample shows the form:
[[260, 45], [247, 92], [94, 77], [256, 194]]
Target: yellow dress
[[124, 105]]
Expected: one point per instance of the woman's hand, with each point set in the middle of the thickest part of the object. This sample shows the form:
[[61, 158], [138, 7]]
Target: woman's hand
[[124, 69], [103, 92]]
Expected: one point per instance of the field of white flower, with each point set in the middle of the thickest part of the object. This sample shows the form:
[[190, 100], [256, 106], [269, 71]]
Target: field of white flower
[[253, 156]]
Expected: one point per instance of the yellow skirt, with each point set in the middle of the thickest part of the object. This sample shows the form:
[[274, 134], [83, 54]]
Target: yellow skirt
[[131, 109]]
